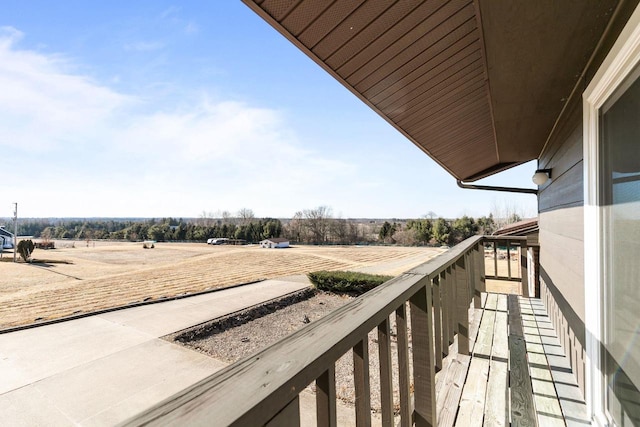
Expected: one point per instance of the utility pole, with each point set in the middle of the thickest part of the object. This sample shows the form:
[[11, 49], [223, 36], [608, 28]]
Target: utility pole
[[15, 231]]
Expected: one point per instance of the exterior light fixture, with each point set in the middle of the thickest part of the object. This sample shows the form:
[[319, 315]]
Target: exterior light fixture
[[541, 176]]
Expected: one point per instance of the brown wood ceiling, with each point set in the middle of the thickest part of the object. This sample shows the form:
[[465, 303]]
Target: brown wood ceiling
[[477, 85]]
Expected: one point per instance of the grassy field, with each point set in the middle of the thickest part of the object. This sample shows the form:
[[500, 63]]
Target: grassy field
[[102, 275]]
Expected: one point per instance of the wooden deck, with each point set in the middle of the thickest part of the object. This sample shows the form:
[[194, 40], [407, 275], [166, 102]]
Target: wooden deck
[[516, 372]]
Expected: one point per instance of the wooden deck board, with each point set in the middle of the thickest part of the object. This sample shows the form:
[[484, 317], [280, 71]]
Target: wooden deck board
[[472, 401], [522, 405], [496, 407], [517, 373], [570, 398], [545, 398], [450, 381]]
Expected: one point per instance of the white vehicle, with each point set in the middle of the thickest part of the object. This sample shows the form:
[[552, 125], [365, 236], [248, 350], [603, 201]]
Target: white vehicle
[[217, 241]]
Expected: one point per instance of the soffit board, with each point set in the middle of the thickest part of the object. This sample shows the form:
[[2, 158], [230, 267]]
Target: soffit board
[[476, 99]]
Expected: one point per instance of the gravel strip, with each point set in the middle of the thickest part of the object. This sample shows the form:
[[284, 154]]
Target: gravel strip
[[242, 334]]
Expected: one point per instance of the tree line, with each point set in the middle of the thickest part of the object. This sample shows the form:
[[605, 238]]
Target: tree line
[[309, 226]]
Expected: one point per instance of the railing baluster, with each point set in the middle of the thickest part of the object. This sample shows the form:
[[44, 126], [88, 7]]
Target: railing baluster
[[404, 380], [480, 267], [288, 417], [454, 302], [495, 258], [474, 289], [508, 260], [462, 307], [524, 272], [446, 311], [424, 376], [437, 323], [361, 381], [326, 398], [386, 378], [451, 292]]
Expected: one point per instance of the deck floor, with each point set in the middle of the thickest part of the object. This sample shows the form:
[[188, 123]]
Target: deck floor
[[517, 373]]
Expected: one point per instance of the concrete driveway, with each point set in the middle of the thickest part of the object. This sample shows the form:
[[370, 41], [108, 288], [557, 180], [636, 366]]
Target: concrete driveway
[[102, 369]]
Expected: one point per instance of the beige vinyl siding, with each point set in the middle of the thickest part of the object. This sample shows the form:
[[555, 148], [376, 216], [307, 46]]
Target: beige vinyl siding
[[561, 221]]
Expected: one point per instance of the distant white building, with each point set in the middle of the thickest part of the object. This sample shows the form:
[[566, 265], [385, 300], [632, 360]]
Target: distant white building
[[6, 238], [276, 242]]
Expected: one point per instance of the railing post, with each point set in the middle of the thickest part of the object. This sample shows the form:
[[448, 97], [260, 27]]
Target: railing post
[[462, 306], [326, 398], [524, 272], [386, 374], [361, 382], [424, 375]]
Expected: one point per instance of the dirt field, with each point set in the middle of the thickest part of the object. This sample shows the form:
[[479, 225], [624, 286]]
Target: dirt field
[[103, 275]]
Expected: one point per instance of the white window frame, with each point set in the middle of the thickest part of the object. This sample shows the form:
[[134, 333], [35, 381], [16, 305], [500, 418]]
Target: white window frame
[[619, 63]]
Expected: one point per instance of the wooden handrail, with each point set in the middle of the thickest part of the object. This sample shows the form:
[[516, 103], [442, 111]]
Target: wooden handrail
[[264, 388]]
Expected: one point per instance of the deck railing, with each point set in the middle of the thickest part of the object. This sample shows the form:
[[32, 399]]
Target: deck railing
[[510, 260], [434, 298]]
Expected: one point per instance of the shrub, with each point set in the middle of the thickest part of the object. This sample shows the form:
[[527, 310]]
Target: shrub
[[25, 249], [346, 281]]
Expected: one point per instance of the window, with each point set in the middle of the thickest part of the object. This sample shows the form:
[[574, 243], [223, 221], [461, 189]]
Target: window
[[620, 201], [612, 232]]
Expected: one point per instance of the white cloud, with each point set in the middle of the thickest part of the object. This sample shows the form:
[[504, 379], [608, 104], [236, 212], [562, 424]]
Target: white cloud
[[108, 153], [9, 35], [42, 103]]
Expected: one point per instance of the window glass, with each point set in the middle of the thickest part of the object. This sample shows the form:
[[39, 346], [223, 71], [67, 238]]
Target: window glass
[[620, 197]]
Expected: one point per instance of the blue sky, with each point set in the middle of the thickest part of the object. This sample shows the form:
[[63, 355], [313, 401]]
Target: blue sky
[[155, 109]]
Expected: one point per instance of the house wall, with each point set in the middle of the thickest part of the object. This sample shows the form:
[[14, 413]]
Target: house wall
[[561, 222], [561, 211]]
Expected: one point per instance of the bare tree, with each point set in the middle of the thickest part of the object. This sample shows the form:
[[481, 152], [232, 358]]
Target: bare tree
[[293, 230], [338, 230], [506, 212], [431, 215], [317, 222], [246, 215], [206, 219], [226, 217]]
